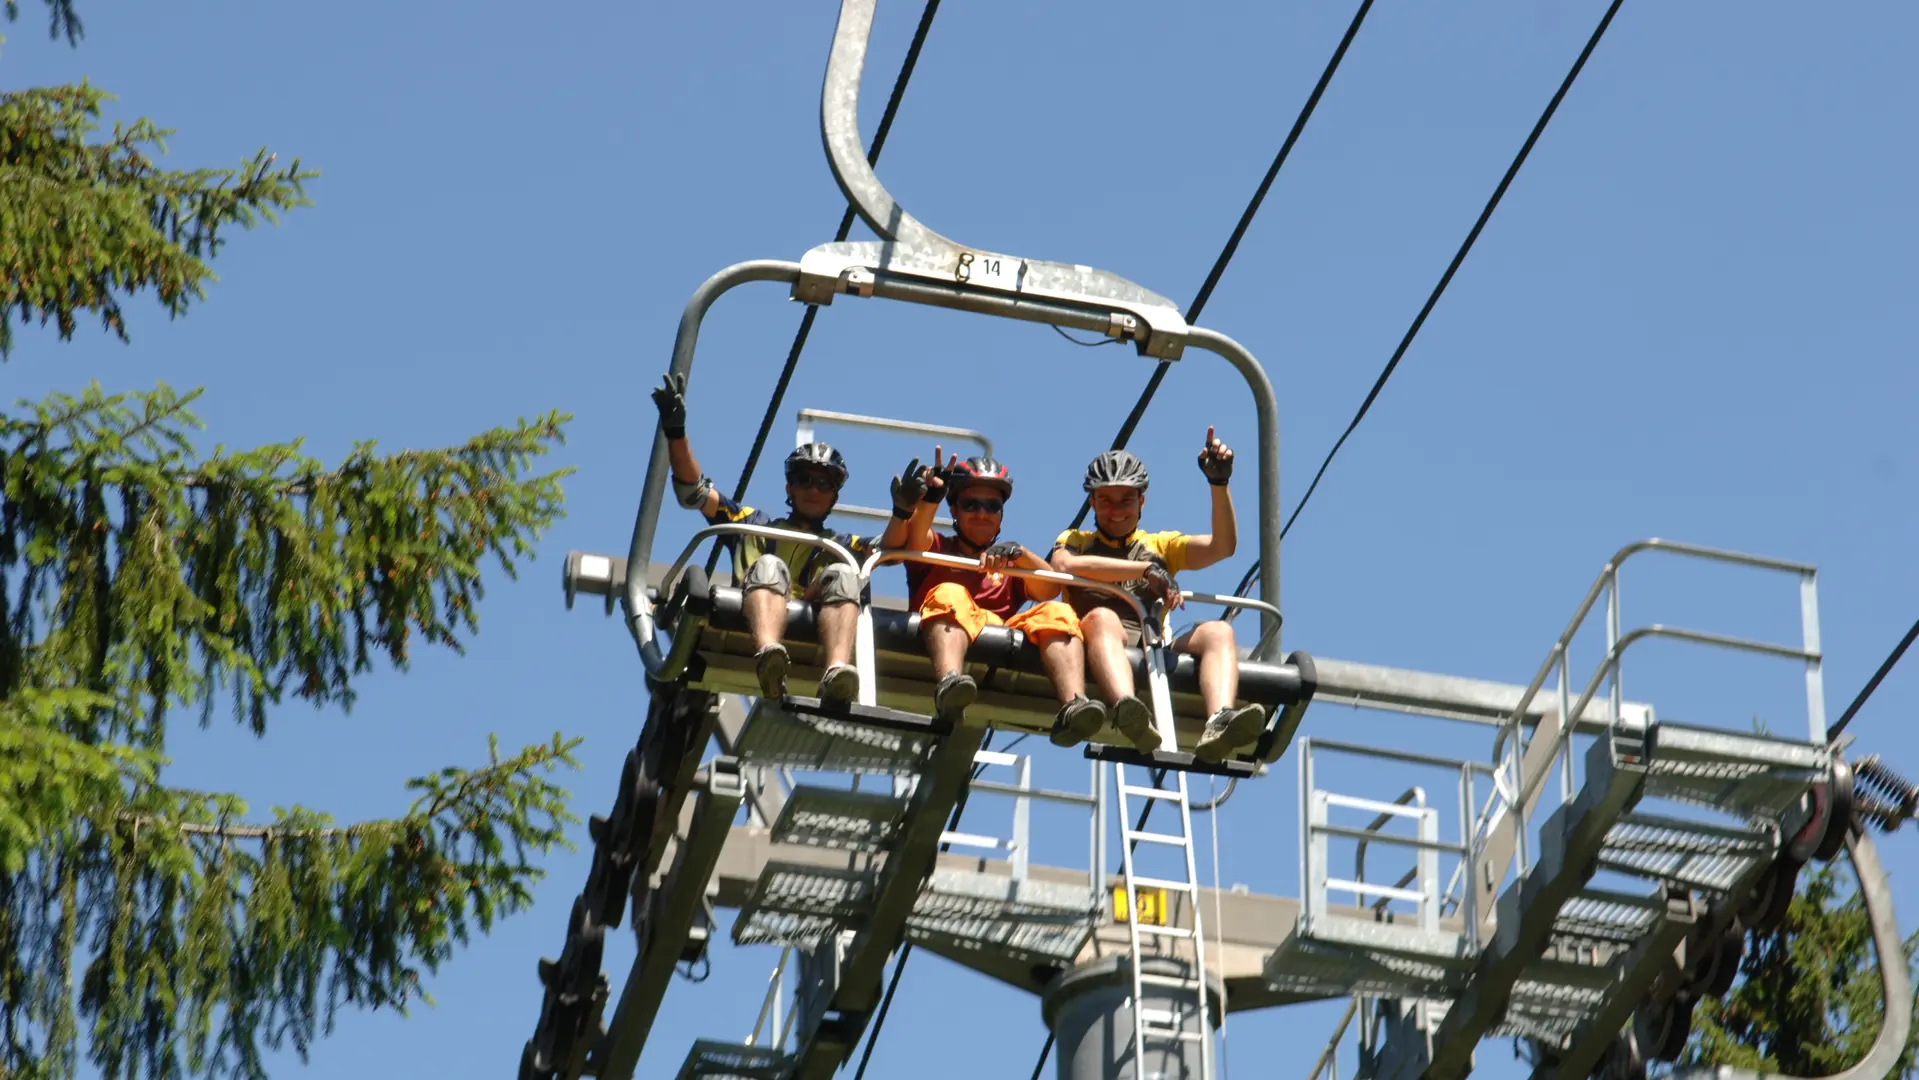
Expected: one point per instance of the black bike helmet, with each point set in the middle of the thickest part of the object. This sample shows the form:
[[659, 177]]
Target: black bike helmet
[[1116, 468], [816, 455], [979, 470]]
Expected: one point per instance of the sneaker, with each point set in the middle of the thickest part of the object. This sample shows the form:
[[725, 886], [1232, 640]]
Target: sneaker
[[1135, 721], [1228, 730], [953, 694], [769, 665], [1079, 719], [840, 684]]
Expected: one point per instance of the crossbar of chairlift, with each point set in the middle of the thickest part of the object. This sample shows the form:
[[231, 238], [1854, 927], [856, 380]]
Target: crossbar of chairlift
[[897, 555]]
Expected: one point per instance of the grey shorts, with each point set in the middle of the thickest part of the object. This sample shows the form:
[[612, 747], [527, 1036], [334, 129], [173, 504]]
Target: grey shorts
[[836, 584]]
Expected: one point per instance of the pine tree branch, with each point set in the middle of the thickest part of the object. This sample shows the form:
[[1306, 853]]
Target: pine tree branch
[[135, 568], [83, 222], [61, 16], [203, 942]]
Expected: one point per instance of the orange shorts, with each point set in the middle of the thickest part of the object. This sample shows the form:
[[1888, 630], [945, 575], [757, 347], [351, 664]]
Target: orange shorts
[[1041, 622]]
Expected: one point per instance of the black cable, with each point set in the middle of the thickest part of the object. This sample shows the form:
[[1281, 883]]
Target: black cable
[[1452, 268], [1061, 331], [1892, 660], [1044, 1051], [1239, 232], [845, 229]]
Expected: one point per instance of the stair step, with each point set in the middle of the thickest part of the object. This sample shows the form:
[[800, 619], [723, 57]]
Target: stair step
[[1140, 882], [1750, 776], [780, 737], [1708, 857], [1593, 914], [1034, 921], [839, 819], [1137, 792], [798, 904], [1154, 838], [714, 1060]]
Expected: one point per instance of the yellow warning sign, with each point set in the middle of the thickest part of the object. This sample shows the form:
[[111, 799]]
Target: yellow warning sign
[[1152, 905]]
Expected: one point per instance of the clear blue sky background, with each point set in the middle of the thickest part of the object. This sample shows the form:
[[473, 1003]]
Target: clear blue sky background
[[1691, 318]]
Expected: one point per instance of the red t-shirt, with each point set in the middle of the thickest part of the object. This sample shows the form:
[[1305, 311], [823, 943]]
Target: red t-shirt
[[1001, 594]]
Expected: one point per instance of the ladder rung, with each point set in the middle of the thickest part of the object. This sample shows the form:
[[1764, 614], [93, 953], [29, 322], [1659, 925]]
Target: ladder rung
[[1164, 931], [1157, 838], [1153, 792], [1138, 882]]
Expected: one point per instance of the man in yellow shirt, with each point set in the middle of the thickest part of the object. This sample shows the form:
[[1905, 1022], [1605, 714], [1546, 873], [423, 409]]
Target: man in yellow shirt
[[1145, 563]]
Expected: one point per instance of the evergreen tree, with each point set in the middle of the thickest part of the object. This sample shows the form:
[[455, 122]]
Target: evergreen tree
[[156, 930], [1809, 1002]]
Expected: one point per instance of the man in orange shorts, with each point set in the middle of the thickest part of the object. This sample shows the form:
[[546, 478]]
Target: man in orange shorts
[[955, 605]]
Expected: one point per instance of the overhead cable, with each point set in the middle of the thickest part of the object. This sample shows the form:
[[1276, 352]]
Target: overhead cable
[[1872, 684], [1252, 575], [1239, 232]]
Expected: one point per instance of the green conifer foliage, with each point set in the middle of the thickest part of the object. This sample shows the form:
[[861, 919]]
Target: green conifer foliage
[[1809, 1002], [157, 931]]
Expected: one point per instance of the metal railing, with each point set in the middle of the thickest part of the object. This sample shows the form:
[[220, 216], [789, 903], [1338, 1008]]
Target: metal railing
[[1316, 829], [1509, 741]]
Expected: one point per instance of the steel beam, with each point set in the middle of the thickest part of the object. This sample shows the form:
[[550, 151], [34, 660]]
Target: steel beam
[[1570, 842], [670, 922], [907, 867], [1451, 697]]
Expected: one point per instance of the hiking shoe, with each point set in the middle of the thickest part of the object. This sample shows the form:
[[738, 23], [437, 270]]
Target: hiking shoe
[[1228, 730], [769, 665], [1135, 721], [1079, 719], [953, 694], [840, 684]]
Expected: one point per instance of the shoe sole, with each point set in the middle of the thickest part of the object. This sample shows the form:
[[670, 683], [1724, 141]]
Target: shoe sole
[[953, 703], [1245, 727], [1083, 725], [1136, 724], [771, 672], [840, 685]]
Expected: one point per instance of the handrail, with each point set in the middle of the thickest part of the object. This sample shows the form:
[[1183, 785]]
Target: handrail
[[892, 555], [910, 427], [1608, 579], [1412, 796], [1611, 664]]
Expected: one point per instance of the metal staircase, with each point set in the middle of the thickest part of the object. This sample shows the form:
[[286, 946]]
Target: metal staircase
[[1666, 830], [845, 916]]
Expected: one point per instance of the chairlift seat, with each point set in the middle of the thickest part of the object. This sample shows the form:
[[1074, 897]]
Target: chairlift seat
[[1015, 693]]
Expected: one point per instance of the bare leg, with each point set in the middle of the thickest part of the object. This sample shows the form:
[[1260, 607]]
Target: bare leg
[[1218, 656], [838, 622], [1105, 653], [946, 643], [765, 616], [1065, 661]]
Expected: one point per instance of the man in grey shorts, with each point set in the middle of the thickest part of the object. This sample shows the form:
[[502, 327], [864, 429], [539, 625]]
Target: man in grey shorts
[[771, 571]]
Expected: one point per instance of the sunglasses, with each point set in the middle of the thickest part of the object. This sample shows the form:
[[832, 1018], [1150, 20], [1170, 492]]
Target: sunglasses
[[816, 481], [981, 506]]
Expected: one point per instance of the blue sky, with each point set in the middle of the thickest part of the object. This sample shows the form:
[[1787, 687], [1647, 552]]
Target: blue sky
[[1690, 318]]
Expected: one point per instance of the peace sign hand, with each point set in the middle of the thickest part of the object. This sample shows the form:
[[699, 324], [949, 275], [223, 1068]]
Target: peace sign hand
[[909, 487], [938, 474]]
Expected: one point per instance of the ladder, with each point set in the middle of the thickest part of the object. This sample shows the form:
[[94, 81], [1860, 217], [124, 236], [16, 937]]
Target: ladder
[[1164, 1026]]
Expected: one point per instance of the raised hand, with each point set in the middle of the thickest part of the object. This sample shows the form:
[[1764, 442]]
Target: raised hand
[[1216, 460], [670, 399], [938, 474], [909, 487]]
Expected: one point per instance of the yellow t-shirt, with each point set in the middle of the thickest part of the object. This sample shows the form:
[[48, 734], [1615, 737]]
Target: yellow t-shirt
[[1167, 547]]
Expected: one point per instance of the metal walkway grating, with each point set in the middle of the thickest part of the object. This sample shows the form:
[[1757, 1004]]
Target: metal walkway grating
[[839, 819], [773, 736]]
